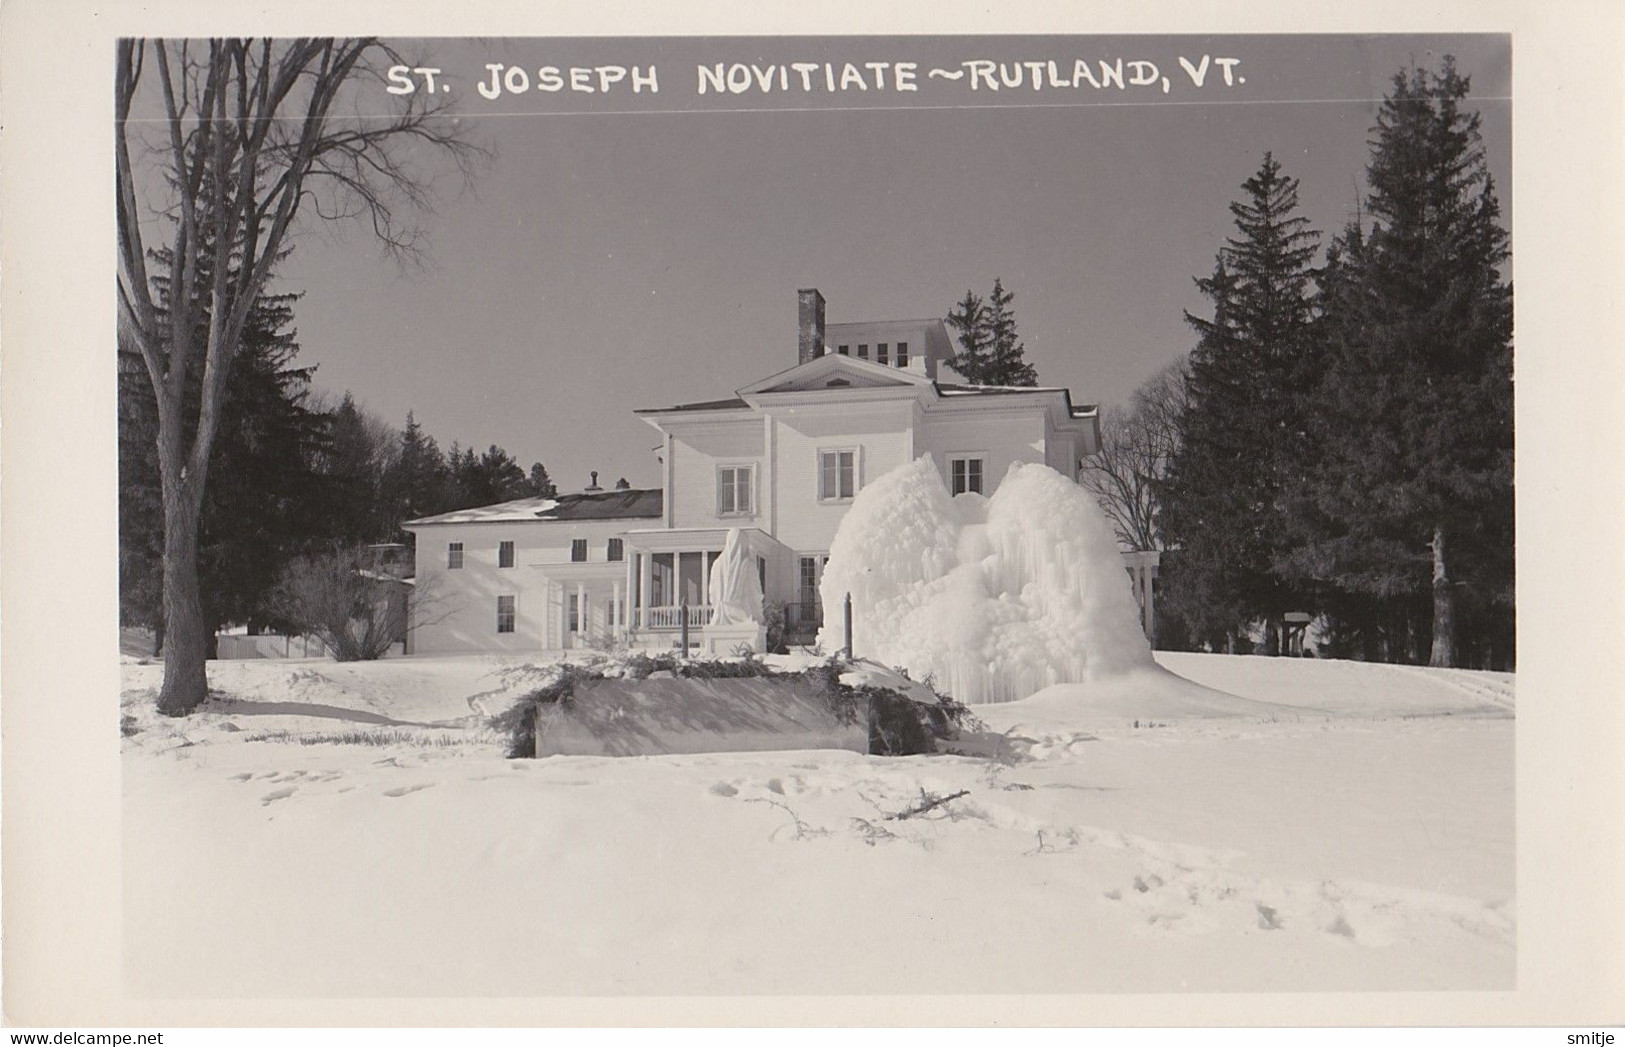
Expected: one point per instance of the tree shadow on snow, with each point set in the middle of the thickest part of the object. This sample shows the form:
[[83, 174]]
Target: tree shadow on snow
[[241, 707]]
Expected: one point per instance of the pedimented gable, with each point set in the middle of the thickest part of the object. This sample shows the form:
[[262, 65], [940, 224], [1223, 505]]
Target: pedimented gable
[[834, 371]]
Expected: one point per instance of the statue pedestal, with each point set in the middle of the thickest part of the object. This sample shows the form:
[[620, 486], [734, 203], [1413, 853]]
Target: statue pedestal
[[726, 639]]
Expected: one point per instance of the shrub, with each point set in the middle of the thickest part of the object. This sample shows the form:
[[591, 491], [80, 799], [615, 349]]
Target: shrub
[[898, 725]]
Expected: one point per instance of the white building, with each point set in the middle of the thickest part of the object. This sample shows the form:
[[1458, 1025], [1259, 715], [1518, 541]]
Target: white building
[[780, 459]]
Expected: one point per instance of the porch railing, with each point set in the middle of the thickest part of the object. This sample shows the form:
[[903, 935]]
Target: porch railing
[[699, 616]]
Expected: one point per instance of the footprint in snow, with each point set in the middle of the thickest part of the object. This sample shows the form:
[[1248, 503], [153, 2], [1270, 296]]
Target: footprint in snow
[[723, 789], [402, 790], [277, 794], [245, 776]]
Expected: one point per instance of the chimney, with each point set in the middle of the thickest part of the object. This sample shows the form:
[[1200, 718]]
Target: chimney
[[623, 484], [810, 324], [593, 487]]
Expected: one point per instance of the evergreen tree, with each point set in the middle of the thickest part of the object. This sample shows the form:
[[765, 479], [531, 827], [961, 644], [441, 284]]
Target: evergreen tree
[[1225, 488], [418, 482], [1414, 497], [1007, 363], [502, 477], [541, 486], [990, 350], [255, 514], [358, 453], [968, 319]]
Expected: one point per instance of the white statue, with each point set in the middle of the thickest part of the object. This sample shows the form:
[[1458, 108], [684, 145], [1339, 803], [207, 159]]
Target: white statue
[[734, 589]]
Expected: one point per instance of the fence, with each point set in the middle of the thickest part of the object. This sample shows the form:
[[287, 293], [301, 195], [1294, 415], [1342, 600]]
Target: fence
[[236, 646]]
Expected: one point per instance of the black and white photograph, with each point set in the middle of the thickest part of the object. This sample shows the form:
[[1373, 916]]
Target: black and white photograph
[[828, 515], [815, 515]]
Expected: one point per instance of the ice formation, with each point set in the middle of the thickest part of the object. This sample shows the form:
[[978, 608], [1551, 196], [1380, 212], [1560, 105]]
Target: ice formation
[[993, 598], [733, 588]]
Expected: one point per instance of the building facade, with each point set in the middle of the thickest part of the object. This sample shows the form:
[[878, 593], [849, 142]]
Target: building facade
[[780, 460]]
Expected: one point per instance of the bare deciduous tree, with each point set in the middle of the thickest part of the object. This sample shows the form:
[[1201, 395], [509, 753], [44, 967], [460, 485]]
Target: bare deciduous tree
[[216, 161], [358, 609], [1136, 443]]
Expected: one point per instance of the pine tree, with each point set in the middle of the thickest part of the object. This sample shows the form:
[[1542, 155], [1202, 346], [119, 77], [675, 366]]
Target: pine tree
[[502, 477], [1224, 492], [1007, 363], [968, 318], [990, 350], [358, 455], [255, 514], [1412, 501], [541, 485], [418, 482]]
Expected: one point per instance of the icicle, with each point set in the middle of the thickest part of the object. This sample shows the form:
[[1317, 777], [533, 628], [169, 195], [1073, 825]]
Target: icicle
[[994, 598]]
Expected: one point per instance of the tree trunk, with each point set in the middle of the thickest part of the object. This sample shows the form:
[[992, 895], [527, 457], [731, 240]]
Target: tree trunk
[[186, 638], [1444, 608]]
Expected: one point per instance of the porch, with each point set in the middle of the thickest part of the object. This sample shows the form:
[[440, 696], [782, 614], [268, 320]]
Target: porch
[[668, 573]]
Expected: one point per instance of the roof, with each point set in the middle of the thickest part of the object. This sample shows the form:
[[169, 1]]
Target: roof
[[809, 376], [608, 505], [731, 404], [601, 505], [955, 389]]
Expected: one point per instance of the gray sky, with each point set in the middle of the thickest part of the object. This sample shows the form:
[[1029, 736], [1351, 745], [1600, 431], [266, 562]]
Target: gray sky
[[612, 261]]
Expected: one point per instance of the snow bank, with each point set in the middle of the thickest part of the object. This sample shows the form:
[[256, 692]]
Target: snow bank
[[992, 598]]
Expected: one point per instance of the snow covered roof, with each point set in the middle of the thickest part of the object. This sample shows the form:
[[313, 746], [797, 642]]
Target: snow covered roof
[[628, 504], [954, 389], [603, 505]]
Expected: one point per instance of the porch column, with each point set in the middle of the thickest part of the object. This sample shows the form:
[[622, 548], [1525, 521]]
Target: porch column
[[615, 608], [1145, 599], [645, 582], [581, 610], [564, 616]]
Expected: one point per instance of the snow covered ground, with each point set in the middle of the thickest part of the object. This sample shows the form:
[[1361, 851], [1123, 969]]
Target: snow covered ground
[[351, 830]]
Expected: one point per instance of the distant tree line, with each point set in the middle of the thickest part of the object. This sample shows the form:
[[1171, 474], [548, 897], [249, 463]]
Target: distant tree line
[[1340, 439], [294, 473]]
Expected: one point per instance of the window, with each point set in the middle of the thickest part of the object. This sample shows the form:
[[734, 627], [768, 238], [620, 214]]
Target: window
[[837, 474], [902, 354], [578, 550], [863, 352], [615, 551], [965, 474], [809, 580], [505, 614], [735, 486], [454, 556], [882, 357], [576, 610], [504, 554], [845, 350]]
